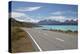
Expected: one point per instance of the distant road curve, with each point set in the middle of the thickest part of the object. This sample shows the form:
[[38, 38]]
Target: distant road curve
[[48, 40]]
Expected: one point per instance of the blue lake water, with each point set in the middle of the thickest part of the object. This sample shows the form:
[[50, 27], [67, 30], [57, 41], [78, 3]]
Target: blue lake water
[[59, 27]]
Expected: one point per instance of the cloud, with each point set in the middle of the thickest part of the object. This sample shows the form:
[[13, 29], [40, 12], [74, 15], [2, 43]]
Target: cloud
[[75, 19], [17, 14], [23, 17], [57, 13], [58, 18], [28, 8], [63, 13]]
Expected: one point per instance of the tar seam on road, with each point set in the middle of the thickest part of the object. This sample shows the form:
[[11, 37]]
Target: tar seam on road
[[59, 39], [35, 41]]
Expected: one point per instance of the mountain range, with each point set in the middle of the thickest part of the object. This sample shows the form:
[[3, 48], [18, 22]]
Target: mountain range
[[15, 22], [54, 22]]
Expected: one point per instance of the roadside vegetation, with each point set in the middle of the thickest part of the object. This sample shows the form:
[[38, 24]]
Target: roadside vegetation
[[67, 32], [20, 42]]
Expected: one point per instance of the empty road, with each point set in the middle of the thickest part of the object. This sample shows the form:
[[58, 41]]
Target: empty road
[[48, 40]]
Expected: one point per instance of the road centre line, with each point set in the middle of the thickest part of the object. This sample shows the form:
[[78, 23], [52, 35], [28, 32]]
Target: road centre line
[[60, 39]]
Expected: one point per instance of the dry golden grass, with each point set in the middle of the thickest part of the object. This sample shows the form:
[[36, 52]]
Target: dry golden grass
[[20, 42]]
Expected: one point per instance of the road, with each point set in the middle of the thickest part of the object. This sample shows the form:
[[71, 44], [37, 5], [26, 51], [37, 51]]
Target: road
[[48, 40]]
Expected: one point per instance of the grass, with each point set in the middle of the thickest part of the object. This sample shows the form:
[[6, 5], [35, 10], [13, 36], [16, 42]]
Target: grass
[[20, 42]]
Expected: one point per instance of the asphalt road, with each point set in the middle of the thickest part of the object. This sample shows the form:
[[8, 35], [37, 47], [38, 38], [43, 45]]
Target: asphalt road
[[48, 40]]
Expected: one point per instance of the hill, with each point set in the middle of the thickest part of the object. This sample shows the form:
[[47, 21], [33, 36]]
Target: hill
[[14, 22]]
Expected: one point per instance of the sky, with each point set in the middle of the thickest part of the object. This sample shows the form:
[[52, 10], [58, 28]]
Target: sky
[[34, 12]]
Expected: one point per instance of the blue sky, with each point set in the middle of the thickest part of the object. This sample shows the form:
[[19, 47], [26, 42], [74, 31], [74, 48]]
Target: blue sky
[[34, 12]]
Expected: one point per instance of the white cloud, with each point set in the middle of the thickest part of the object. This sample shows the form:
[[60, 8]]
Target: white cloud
[[57, 13], [58, 18], [63, 12], [28, 8], [22, 17], [17, 14]]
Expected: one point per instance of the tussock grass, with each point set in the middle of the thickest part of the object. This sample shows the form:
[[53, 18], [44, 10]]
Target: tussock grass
[[20, 42], [16, 33]]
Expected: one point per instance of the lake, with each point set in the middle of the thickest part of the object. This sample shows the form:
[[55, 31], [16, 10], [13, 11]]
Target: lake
[[59, 27]]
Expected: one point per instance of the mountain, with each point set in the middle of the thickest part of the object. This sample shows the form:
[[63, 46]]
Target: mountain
[[70, 22], [54, 22], [48, 22], [14, 22]]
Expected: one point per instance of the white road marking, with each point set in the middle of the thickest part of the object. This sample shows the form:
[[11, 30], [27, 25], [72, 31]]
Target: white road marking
[[59, 39], [34, 41]]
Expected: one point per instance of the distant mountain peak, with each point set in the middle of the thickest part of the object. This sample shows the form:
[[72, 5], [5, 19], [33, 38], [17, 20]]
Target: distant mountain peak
[[54, 22]]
